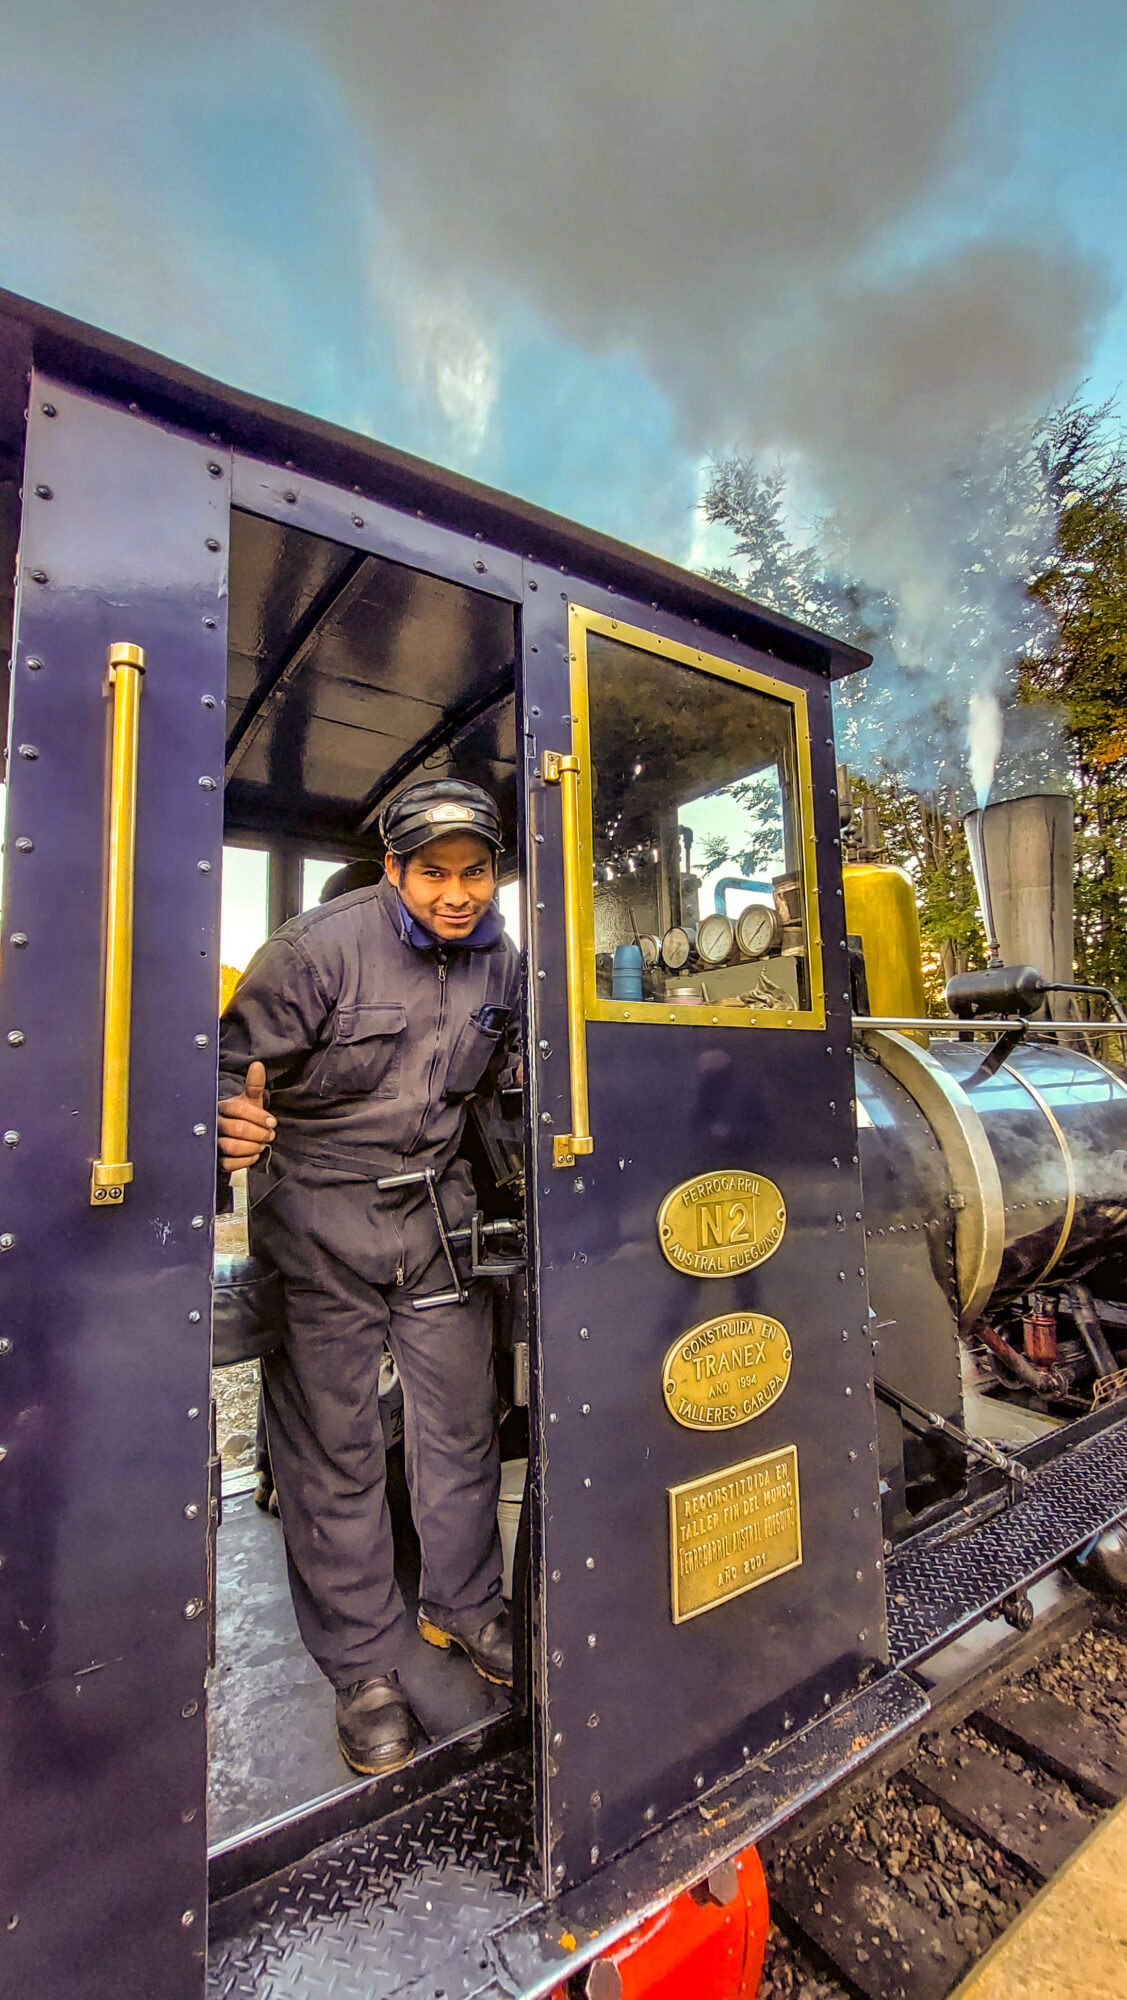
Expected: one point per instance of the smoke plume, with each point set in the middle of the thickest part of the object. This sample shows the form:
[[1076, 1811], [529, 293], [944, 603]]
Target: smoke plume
[[748, 200]]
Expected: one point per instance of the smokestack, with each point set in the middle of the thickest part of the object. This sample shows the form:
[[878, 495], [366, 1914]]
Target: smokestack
[[1022, 856]]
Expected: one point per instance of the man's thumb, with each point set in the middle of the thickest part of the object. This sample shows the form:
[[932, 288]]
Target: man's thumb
[[256, 1082]]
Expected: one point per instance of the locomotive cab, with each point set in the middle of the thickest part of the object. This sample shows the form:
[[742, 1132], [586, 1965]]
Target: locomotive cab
[[236, 626]]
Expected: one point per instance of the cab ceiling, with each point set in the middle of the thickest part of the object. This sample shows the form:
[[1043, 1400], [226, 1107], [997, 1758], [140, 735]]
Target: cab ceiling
[[350, 676]]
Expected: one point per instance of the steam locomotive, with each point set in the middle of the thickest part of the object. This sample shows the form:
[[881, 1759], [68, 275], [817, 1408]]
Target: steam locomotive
[[815, 1355]]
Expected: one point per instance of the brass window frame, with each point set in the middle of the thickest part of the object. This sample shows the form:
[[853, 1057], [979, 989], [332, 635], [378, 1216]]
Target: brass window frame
[[581, 623]]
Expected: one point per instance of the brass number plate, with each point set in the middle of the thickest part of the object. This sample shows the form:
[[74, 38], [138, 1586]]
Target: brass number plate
[[725, 1371], [733, 1530], [721, 1223]]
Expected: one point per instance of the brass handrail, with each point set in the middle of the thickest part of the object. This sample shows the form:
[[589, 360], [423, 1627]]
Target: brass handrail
[[557, 769], [112, 1170]]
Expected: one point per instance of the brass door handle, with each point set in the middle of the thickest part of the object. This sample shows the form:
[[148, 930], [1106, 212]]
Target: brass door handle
[[557, 769], [112, 1169]]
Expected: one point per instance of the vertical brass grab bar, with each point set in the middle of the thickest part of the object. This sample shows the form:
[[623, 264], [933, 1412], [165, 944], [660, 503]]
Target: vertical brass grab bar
[[112, 1169], [556, 769]]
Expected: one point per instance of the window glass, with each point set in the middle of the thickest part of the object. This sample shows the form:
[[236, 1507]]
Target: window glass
[[314, 875], [244, 920], [696, 849]]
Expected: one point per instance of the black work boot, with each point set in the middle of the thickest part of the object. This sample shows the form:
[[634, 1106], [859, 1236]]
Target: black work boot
[[375, 1727], [488, 1647]]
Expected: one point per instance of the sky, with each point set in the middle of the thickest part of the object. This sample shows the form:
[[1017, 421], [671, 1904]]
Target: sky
[[579, 252], [239, 194]]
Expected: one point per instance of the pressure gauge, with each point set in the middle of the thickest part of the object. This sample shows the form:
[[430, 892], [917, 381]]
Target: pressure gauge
[[758, 930], [715, 939], [650, 948], [676, 947]]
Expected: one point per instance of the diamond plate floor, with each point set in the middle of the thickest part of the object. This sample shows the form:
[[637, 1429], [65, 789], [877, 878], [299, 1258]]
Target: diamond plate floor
[[406, 1907], [942, 1581]]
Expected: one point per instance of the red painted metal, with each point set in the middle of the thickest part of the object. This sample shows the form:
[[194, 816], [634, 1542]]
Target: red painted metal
[[693, 1947]]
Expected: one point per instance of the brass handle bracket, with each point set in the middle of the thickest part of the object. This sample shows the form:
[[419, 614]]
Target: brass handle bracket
[[559, 768], [112, 1170]]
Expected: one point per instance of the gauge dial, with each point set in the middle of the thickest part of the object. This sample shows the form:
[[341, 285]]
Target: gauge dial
[[675, 948], [758, 929], [715, 939], [651, 949]]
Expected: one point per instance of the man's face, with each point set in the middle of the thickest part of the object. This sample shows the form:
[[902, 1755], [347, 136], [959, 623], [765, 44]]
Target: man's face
[[448, 884]]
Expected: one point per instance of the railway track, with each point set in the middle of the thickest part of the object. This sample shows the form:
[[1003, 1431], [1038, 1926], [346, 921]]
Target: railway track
[[902, 1890]]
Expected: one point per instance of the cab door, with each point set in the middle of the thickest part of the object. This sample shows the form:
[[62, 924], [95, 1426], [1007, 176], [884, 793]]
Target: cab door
[[709, 1554], [108, 993]]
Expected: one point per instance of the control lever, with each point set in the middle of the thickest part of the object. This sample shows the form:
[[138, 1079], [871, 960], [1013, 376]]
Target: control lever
[[478, 1234]]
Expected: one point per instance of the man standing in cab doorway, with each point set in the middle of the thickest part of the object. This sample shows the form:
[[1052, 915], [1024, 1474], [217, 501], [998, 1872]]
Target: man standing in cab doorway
[[370, 1022]]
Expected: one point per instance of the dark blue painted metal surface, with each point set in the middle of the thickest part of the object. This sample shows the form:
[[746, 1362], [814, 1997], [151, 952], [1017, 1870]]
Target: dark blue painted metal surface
[[638, 1715], [104, 1375]]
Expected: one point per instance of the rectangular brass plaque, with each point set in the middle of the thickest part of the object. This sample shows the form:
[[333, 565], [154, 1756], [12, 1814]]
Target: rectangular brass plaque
[[732, 1530]]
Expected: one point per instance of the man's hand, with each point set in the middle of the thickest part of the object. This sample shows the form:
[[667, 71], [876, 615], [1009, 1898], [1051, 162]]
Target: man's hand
[[245, 1126]]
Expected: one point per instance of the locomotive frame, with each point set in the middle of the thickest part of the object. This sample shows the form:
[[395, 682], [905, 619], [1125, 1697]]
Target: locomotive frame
[[658, 1750]]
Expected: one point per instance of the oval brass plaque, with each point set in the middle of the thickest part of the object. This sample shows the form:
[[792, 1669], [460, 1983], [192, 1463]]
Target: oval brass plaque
[[721, 1223], [725, 1371]]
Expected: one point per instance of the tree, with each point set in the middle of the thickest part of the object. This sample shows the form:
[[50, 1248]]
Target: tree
[[1082, 670]]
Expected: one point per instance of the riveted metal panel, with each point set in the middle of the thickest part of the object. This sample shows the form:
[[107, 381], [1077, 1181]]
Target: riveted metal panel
[[636, 1715], [104, 1387]]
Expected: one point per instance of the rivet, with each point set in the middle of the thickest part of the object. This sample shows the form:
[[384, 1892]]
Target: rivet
[[43, 492], [39, 576], [860, 1575], [188, 1815], [584, 1333], [193, 1413], [192, 1610], [209, 624], [214, 469], [592, 1638], [207, 701], [532, 583], [552, 1417], [849, 1392], [212, 544], [555, 1576], [649, 1813], [862, 1636], [852, 1457], [207, 784], [16, 1038], [699, 1782], [191, 1511], [358, 520], [188, 1919], [559, 1871], [540, 975], [11, 1138], [290, 497], [594, 1856], [557, 1659], [587, 1484], [197, 1222], [18, 939], [592, 1722], [5, 1344], [29, 751], [7, 1241], [558, 1737], [539, 839], [845, 1333], [545, 1118], [24, 845], [585, 1409], [3, 1451], [590, 1559], [48, 409], [204, 867], [34, 663], [199, 1131], [201, 1041], [194, 1318], [480, 568]]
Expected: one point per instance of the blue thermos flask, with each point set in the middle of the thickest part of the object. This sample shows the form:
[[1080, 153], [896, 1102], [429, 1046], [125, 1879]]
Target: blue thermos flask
[[626, 972]]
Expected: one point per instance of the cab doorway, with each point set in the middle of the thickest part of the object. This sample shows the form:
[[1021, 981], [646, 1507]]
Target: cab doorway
[[350, 676]]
